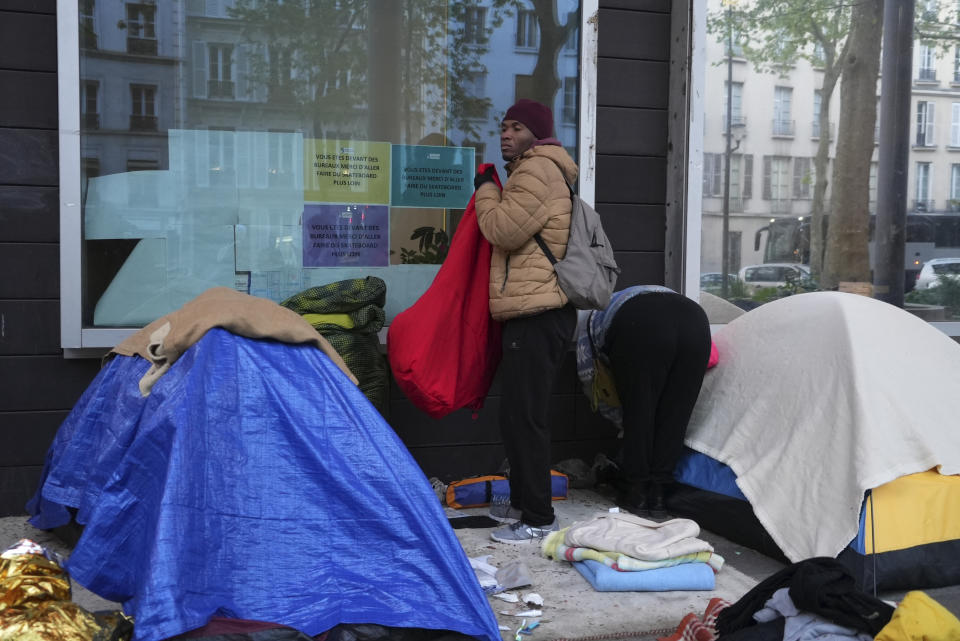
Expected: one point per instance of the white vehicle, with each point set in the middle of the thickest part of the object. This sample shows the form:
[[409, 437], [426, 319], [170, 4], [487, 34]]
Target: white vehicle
[[935, 268], [757, 277]]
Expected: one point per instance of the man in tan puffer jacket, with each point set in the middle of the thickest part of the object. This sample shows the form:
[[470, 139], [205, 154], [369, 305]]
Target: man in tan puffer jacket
[[538, 323]]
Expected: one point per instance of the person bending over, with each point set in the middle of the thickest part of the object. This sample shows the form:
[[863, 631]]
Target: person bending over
[[654, 344]]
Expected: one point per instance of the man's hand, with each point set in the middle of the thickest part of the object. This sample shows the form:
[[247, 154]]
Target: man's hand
[[485, 177]]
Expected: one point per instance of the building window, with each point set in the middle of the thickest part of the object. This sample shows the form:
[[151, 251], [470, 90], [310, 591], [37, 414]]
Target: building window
[[736, 51], [220, 70], [923, 202], [712, 175], [89, 104], [956, 64], [926, 67], [873, 183], [88, 28], [143, 112], [570, 100], [221, 157], [573, 37], [736, 111], [803, 177], [475, 25], [747, 176], [925, 119], [142, 29], [475, 104], [776, 178], [954, 187], [528, 31], [955, 124], [782, 111]]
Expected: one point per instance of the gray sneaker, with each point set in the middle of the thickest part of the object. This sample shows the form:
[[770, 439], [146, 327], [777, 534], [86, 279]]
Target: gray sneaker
[[520, 532], [504, 512]]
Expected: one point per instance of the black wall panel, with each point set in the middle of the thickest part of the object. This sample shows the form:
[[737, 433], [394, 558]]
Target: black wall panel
[[637, 35], [660, 6], [639, 268], [29, 99], [29, 214], [32, 6], [29, 327], [38, 383], [641, 132], [631, 179], [28, 157], [32, 432], [634, 227], [632, 83], [37, 270], [29, 41], [40, 386]]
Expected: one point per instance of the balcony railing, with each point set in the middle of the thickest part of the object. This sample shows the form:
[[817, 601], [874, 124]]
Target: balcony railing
[[143, 123], [783, 127], [815, 130], [142, 46], [735, 121], [220, 89], [90, 121], [736, 204], [927, 74], [924, 205]]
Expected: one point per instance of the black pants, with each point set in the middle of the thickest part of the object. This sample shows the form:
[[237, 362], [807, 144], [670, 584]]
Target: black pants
[[658, 345], [533, 349]]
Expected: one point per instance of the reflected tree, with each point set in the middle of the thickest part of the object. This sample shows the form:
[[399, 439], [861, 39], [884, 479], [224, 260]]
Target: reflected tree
[[773, 35]]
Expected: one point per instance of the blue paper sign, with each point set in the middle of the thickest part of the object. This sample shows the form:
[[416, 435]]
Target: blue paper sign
[[346, 235], [424, 176]]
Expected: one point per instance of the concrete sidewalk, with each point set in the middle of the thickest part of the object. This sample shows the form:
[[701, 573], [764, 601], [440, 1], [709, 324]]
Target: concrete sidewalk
[[572, 609]]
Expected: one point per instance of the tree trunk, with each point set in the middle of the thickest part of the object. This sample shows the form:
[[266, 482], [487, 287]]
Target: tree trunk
[[821, 162], [847, 256], [545, 83]]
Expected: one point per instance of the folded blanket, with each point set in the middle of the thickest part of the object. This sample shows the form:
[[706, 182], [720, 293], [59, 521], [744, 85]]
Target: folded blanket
[[688, 576], [637, 537], [554, 548]]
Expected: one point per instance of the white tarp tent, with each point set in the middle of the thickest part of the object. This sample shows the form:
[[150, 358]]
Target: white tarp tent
[[819, 397]]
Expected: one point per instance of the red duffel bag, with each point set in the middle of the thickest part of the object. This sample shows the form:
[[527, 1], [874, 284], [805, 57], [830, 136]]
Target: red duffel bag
[[444, 349]]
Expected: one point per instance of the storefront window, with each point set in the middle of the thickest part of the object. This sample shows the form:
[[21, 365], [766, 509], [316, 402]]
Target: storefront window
[[274, 145], [811, 222]]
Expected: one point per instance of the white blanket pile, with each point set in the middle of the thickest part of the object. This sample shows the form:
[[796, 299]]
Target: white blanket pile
[[820, 397]]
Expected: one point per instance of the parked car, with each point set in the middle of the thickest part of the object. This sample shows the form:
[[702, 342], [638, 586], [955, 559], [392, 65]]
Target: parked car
[[714, 280], [934, 269], [757, 277]]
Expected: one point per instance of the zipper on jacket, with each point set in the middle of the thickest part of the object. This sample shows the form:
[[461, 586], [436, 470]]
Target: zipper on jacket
[[506, 273]]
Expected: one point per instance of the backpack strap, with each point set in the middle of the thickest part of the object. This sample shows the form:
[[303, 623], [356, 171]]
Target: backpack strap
[[537, 237]]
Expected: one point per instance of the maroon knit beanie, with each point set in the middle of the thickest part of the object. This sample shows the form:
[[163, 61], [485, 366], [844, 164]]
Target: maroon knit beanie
[[535, 116]]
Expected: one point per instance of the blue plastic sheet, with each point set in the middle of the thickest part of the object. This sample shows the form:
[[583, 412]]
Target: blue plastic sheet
[[254, 482]]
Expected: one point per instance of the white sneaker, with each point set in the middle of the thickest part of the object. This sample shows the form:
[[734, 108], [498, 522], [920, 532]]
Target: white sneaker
[[520, 532]]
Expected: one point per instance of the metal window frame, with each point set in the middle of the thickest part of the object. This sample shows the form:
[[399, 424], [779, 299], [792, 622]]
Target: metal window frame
[[84, 342], [694, 164]]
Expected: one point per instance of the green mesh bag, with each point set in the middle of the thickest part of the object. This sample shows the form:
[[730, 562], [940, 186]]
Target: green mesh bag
[[362, 300]]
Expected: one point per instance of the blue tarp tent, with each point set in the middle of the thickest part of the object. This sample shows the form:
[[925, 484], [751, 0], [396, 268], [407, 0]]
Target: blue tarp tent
[[254, 482]]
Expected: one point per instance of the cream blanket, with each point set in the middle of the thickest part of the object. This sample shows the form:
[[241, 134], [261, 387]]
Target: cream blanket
[[820, 397], [165, 339]]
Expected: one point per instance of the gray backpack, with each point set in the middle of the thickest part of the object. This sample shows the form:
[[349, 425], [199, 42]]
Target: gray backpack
[[588, 272]]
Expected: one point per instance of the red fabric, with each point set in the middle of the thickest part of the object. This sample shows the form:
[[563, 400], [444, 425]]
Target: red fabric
[[444, 350], [714, 356]]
